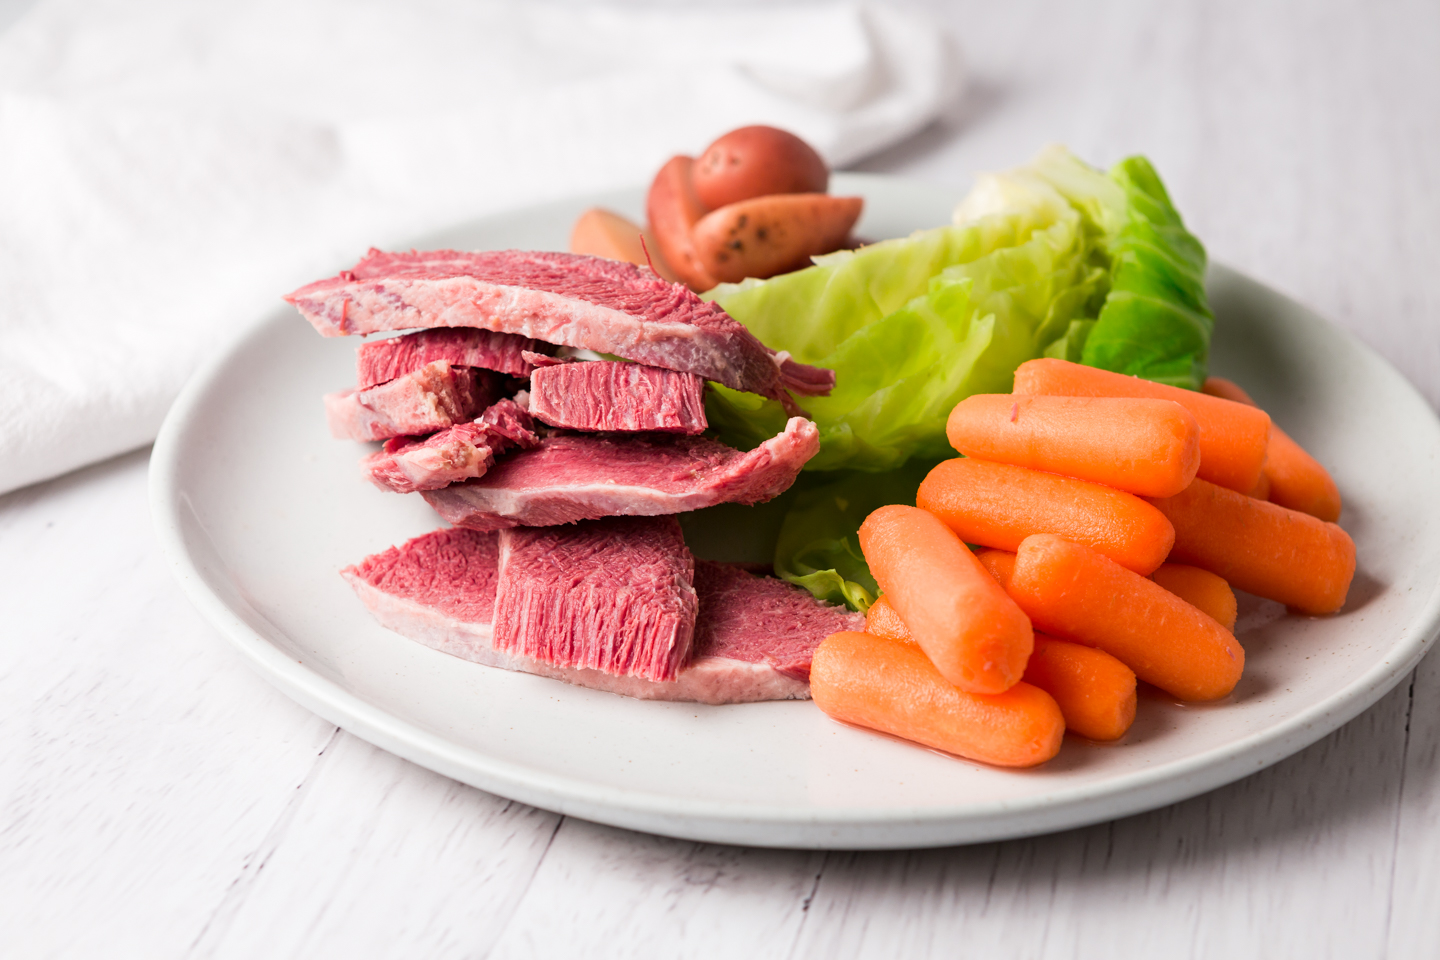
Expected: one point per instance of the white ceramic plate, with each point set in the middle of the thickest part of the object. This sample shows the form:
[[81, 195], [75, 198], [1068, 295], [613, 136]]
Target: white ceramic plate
[[257, 508]]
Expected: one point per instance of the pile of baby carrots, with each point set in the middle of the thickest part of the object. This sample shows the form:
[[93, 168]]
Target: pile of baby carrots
[[1110, 518]]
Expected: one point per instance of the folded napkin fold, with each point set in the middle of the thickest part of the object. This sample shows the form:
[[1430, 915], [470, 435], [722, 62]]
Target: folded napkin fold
[[167, 169]]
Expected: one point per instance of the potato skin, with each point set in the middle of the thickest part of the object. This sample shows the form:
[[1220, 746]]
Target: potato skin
[[673, 209], [755, 162], [604, 233], [774, 234]]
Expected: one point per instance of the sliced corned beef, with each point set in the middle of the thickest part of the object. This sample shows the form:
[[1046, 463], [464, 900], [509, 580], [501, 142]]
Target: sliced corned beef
[[560, 298], [432, 398], [579, 477], [762, 619], [383, 360], [607, 395], [466, 450], [439, 590], [541, 360], [615, 595]]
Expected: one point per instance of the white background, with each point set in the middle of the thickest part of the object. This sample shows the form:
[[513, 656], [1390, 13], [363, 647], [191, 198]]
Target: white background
[[159, 800]]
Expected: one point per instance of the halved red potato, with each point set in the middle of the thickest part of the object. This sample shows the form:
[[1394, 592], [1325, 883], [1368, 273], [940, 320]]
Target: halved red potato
[[769, 235], [757, 162], [605, 233], [673, 209]]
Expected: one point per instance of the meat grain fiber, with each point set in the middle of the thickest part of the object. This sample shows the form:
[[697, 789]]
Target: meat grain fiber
[[560, 298], [579, 477], [615, 595], [381, 361], [609, 395], [432, 398], [466, 450], [754, 636]]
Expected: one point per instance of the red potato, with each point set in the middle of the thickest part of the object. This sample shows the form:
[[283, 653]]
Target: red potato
[[673, 210], [604, 233], [757, 162], [770, 235]]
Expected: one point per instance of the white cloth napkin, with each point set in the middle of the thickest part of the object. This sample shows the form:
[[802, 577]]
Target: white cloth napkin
[[169, 168]]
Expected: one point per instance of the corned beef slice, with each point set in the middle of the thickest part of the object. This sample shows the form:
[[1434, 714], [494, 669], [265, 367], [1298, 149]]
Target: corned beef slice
[[466, 450], [383, 360], [561, 298], [615, 595], [432, 398], [763, 619], [439, 590], [580, 477], [606, 395]]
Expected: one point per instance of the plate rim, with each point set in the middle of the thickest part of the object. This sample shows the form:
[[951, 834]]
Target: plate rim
[[731, 821]]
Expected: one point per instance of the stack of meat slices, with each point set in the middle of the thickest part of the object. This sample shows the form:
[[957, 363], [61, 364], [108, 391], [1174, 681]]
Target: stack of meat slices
[[562, 478]]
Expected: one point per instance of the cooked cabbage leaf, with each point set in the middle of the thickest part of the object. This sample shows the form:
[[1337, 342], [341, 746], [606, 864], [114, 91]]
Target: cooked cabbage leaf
[[819, 546], [1156, 322]]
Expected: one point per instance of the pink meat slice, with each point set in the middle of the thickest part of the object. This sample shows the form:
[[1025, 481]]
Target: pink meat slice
[[408, 464], [432, 398], [614, 595], [582, 477], [763, 619], [606, 395], [560, 298], [439, 590], [383, 360]]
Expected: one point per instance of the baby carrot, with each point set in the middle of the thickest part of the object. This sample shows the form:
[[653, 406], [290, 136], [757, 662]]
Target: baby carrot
[[1292, 477], [1261, 490], [1095, 692], [1136, 444], [976, 636], [1262, 548], [881, 620], [1199, 588], [1000, 563], [1233, 437], [893, 687], [997, 505], [1075, 593]]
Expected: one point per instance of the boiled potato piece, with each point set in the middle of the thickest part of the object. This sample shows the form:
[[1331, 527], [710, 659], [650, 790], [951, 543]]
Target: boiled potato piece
[[772, 234]]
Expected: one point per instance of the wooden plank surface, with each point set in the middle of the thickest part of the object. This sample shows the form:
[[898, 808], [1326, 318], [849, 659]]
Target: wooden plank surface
[[159, 800]]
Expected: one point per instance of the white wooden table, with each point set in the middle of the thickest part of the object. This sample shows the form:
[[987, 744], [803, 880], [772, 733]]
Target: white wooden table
[[159, 800]]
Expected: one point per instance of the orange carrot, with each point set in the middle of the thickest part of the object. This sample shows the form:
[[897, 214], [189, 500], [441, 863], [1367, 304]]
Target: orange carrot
[[893, 687], [1262, 548], [1292, 477], [1095, 692], [1000, 563], [881, 620], [997, 505], [1136, 444], [1261, 490], [976, 636], [1229, 390], [1075, 593], [1233, 437], [1199, 588]]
